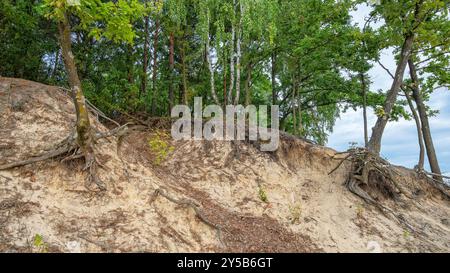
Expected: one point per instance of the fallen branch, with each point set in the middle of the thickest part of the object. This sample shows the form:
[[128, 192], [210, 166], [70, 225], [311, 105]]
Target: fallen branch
[[435, 174], [118, 130], [91, 107], [339, 164], [100, 113]]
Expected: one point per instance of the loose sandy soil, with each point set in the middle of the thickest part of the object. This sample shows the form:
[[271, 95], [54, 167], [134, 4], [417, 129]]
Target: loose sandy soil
[[201, 197]]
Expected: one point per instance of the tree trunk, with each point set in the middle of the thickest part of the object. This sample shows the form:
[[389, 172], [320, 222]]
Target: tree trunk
[[84, 136], [299, 110], [171, 69], [273, 73], [431, 153], [145, 60], [364, 94], [225, 69], [55, 67], [154, 69], [130, 64], [419, 131], [184, 72], [210, 67], [248, 95], [391, 97], [238, 55], [294, 107], [232, 56]]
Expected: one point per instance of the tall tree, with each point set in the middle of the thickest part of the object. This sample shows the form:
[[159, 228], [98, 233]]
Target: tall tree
[[145, 57], [171, 69], [84, 135], [273, 75], [408, 18], [88, 12], [420, 164], [26, 38], [204, 27], [362, 77], [154, 93]]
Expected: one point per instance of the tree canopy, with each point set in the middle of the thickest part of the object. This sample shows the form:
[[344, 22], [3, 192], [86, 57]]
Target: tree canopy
[[141, 57]]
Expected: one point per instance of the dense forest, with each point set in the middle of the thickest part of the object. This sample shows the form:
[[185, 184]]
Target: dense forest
[[90, 160], [139, 58]]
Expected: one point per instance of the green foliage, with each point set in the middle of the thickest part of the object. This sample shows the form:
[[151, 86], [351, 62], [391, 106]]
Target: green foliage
[[314, 42], [406, 234], [431, 29], [112, 20], [379, 111], [25, 41], [262, 195], [160, 146], [296, 213], [39, 243]]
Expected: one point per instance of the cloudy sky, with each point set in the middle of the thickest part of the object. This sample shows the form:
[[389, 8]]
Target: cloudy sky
[[399, 144]]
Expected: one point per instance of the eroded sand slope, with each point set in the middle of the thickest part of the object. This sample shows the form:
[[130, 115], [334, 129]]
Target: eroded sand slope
[[202, 197]]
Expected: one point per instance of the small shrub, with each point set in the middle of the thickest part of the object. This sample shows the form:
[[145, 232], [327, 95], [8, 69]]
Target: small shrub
[[360, 211], [262, 195], [296, 213], [160, 147], [40, 244], [406, 234]]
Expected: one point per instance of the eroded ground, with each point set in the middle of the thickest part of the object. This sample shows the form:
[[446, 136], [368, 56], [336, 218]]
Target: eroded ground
[[201, 196]]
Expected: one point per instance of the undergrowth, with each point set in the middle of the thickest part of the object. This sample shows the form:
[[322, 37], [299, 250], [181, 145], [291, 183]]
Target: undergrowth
[[159, 146]]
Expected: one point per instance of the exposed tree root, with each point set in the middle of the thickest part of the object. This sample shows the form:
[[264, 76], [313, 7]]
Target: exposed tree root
[[70, 146], [64, 147], [339, 165], [194, 206], [439, 185], [235, 152], [103, 245], [5, 177], [372, 174], [91, 165]]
